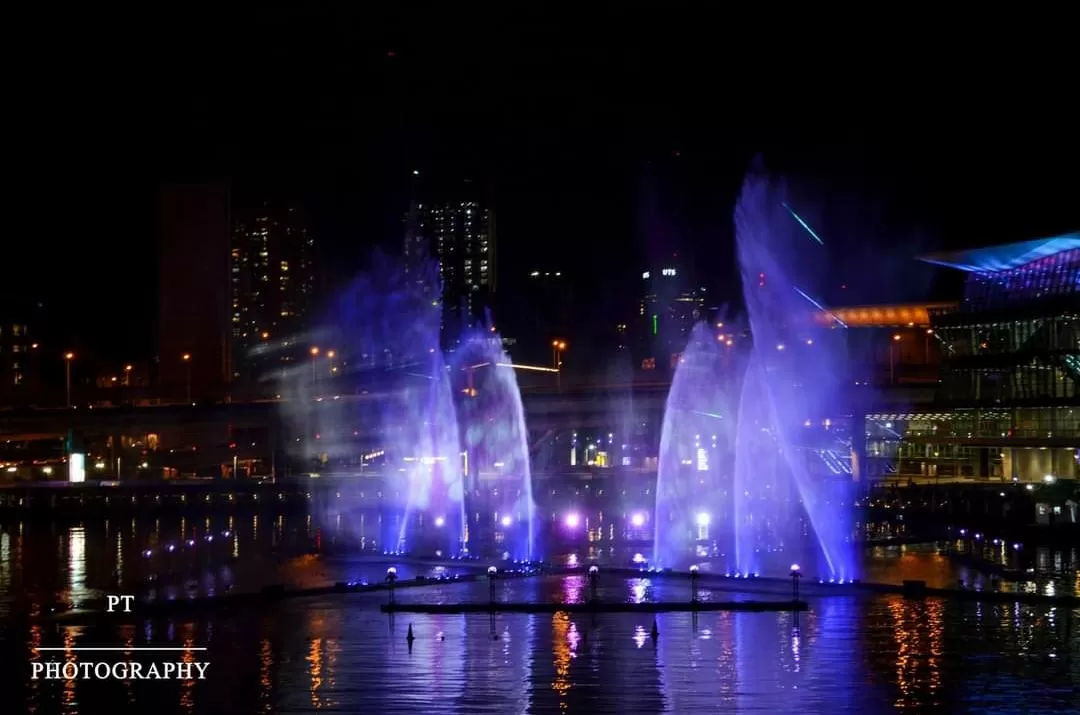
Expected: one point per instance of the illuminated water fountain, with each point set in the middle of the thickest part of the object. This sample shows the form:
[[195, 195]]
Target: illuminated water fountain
[[735, 483], [693, 491], [494, 440], [792, 385], [385, 336]]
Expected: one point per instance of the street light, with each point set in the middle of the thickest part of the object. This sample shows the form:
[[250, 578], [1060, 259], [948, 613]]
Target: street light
[[557, 348], [391, 579], [892, 358], [127, 375], [492, 572], [693, 582], [314, 362], [330, 355], [796, 574], [594, 581], [68, 357], [186, 358], [926, 345]]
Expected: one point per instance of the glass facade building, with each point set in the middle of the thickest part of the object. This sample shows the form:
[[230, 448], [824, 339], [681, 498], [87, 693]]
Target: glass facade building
[[1008, 404]]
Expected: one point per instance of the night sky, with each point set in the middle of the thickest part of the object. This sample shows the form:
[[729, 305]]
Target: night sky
[[579, 122]]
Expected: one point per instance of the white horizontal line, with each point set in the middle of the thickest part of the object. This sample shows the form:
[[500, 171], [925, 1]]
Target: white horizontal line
[[120, 649]]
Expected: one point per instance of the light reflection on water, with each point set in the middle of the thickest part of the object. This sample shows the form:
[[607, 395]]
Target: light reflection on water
[[845, 655], [339, 653]]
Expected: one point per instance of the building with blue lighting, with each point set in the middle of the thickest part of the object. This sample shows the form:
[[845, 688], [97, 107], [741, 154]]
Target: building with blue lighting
[[1008, 403]]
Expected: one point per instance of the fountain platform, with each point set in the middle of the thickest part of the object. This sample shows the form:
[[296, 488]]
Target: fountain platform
[[596, 607]]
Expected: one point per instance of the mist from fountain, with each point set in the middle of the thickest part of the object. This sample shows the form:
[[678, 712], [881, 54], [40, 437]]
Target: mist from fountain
[[790, 390], [494, 438], [385, 342], [415, 425]]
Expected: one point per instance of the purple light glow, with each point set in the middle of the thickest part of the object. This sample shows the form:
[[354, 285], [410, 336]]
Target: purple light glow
[[572, 520], [506, 521], [637, 520]]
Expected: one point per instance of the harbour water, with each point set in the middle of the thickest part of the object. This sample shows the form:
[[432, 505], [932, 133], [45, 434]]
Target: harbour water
[[849, 653]]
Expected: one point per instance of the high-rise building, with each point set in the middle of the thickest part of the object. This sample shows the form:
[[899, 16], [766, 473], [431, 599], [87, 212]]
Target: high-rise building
[[272, 287], [459, 233], [22, 350], [193, 321], [666, 313]]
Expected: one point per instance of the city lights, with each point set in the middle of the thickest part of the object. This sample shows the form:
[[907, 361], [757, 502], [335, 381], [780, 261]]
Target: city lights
[[572, 520]]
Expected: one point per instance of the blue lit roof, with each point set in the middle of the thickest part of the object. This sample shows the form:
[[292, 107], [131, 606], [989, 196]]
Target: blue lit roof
[[1004, 258]]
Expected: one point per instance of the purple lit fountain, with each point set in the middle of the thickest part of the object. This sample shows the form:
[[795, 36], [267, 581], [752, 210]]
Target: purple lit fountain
[[381, 423], [494, 440], [790, 392], [746, 430], [693, 490]]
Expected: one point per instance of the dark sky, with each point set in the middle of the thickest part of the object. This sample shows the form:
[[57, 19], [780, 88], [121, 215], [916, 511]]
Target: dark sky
[[568, 116]]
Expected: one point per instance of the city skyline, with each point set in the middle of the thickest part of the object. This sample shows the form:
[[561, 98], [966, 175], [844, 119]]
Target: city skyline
[[567, 160], [524, 358]]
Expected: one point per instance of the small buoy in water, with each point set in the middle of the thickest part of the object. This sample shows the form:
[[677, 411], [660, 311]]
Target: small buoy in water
[[655, 630], [409, 636]]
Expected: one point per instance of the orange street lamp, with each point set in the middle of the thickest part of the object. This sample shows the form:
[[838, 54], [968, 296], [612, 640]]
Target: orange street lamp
[[314, 363], [68, 357], [127, 375], [557, 348], [892, 358], [186, 358]]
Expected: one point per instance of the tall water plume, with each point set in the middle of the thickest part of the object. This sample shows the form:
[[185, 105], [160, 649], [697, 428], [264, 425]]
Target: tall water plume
[[495, 440], [693, 491], [792, 387]]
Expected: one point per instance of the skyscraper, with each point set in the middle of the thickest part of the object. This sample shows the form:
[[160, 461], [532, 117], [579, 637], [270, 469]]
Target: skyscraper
[[666, 314], [272, 285], [193, 284], [457, 230]]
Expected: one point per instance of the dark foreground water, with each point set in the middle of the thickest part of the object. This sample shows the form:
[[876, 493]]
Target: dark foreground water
[[854, 654]]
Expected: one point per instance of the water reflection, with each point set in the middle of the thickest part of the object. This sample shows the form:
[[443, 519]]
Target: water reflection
[[76, 565], [847, 654], [560, 646], [314, 659], [266, 676]]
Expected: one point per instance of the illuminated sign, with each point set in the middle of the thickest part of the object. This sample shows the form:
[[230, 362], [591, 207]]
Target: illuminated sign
[[668, 272], [645, 275], [77, 468]]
